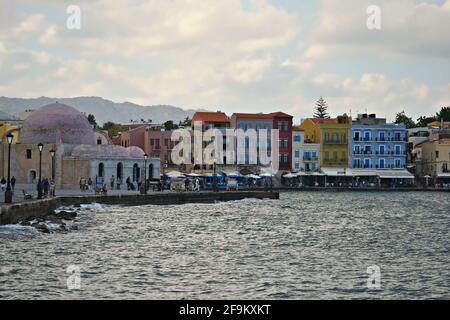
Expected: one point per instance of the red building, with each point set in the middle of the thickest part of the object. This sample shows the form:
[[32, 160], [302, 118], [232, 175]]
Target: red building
[[269, 121]]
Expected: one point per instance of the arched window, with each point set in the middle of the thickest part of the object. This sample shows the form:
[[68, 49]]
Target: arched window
[[32, 176], [150, 171], [136, 172], [119, 173], [101, 170]]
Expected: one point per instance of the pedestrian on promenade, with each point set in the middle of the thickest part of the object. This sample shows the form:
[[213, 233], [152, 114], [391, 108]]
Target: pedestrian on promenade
[[112, 182], [46, 186], [90, 184], [13, 183], [128, 182], [3, 184], [119, 182]]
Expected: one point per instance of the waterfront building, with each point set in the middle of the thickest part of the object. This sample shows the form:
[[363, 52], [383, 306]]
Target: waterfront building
[[269, 121], [311, 157], [434, 157], [211, 120], [80, 151], [334, 142], [298, 137], [375, 144]]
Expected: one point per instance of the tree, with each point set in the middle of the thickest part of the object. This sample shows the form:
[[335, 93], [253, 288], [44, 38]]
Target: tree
[[401, 117], [92, 121], [187, 122], [169, 125], [113, 129], [321, 109], [444, 114], [424, 121]]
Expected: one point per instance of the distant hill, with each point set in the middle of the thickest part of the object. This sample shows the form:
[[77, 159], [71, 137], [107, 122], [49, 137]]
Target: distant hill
[[7, 116], [103, 110]]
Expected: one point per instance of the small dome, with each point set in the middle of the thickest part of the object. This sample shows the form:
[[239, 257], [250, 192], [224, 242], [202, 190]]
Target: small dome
[[135, 152], [56, 123]]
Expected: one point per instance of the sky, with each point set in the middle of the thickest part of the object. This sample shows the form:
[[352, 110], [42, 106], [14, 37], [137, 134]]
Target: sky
[[233, 55]]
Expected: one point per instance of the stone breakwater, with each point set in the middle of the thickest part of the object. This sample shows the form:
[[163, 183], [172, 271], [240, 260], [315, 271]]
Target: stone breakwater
[[40, 209]]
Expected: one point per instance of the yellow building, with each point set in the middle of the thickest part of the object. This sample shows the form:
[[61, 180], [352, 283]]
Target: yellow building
[[435, 159], [12, 126], [334, 140]]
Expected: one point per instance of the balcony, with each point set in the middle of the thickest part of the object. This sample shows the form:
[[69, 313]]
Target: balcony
[[310, 159], [330, 141]]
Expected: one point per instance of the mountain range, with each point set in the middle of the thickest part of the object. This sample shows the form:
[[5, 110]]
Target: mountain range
[[104, 110]]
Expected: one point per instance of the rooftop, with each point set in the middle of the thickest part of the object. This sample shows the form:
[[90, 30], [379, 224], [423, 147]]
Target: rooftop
[[210, 117]]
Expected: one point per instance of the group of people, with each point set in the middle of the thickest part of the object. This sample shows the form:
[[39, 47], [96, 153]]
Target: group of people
[[4, 183], [48, 187], [86, 184]]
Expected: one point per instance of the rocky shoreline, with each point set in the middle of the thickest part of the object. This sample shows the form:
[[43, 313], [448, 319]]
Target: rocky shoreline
[[56, 221]]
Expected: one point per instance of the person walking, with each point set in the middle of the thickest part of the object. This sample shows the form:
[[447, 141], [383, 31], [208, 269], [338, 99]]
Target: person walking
[[13, 183], [46, 186], [3, 184], [128, 181], [112, 180], [90, 183]]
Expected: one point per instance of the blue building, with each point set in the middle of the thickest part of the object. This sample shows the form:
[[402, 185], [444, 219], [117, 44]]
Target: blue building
[[375, 144]]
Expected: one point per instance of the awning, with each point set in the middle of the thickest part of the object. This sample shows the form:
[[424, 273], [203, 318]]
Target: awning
[[289, 176], [364, 173], [444, 175], [395, 174], [337, 172], [231, 174]]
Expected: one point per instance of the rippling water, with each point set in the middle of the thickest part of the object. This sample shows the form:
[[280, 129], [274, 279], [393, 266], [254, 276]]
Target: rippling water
[[305, 246]]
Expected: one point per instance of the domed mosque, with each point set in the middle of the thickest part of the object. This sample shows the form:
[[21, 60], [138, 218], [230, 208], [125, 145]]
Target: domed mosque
[[80, 151]]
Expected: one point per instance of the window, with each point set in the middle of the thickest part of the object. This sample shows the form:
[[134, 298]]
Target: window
[[327, 136], [307, 156], [398, 150], [101, 170], [99, 141], [297, 138], [437, 154], [367, 163], [357, 163], [382, 149], [335, 156], [327, 155], [152, 142], [297, 153], [335, 137], [344, 156], [29, 154], [297, 166], [382, 163], [382, 136], [398, 163], [356, 136]]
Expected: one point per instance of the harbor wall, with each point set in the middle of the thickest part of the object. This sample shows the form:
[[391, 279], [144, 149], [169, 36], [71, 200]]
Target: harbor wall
[[11, 214]]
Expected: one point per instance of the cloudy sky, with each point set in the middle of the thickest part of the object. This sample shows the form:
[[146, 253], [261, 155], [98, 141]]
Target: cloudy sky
[[233, 55]]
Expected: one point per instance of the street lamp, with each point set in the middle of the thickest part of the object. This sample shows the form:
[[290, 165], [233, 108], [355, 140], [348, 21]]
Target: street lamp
[[145, 173], [39, 186], [52, 153], [215, 178], [8, 192]]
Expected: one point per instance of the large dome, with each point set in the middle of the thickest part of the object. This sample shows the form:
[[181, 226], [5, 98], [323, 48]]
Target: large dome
[[56, 123]]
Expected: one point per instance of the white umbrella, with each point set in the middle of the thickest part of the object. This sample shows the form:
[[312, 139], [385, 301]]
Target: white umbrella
[[175, 174], [253, 176], [266, 174], [193, 175], [289, 176]]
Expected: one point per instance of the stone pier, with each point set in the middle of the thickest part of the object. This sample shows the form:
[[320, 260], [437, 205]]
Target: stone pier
[[11, 214]]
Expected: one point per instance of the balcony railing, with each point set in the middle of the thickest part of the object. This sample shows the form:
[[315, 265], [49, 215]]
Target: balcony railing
[[331, 141]]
